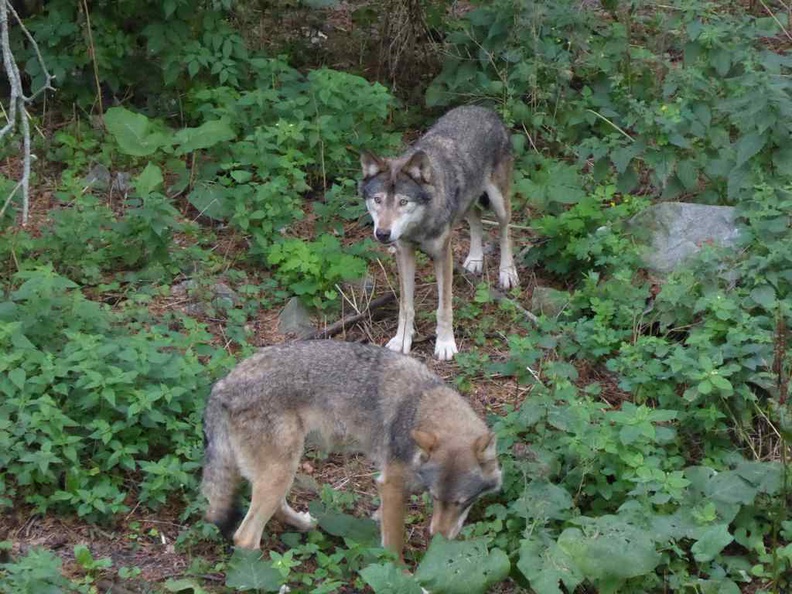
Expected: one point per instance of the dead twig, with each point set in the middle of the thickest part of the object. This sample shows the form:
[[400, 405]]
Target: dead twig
[[18, 100], [373, 310], [499, 297]]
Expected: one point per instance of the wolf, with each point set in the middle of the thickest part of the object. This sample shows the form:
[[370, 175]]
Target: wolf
[[420, 433], [417, 198]]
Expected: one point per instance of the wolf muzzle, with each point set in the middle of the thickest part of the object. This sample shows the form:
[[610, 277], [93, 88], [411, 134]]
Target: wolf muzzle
[[383, 235]]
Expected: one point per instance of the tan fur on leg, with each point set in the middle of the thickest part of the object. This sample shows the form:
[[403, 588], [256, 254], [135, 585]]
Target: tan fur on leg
[[405, 259], [445, 346], [267, 493], [499, 192], [392, 493], [301, 521]]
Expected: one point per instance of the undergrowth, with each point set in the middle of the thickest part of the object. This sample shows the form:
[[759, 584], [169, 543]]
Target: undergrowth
[[650, 451]]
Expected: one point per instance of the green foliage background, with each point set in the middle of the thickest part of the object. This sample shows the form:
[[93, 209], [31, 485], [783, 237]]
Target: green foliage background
[[650, 453]]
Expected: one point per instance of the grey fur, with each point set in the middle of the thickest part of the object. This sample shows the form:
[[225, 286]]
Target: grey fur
[[464, 147], [349, 394], [417, 198]]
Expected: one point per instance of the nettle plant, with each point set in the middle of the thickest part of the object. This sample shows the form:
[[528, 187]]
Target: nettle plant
[[686, 92], [160, 37], [258, 153], [680, 486], [90, 398]]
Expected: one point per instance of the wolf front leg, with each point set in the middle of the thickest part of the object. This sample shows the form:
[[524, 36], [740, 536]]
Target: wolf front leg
[[405, 259], [445, 346], [391, 484]]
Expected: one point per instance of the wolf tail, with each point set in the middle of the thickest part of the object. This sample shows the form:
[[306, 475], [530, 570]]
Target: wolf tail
[[220, 472]]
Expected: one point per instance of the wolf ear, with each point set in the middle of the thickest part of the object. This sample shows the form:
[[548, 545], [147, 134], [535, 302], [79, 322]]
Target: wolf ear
[[425, 441], [485, 447], [419, 168], [371, 165]]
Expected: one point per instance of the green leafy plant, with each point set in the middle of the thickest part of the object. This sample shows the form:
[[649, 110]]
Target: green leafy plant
[[312, 269]]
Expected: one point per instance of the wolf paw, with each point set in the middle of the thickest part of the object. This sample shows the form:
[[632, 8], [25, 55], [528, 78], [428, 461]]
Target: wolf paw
[[303, 521], [509, 278], [474, 265], [445, 349], [400, 344]]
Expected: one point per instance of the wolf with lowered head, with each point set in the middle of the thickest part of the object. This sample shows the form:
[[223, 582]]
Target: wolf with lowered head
[[419, 433], [417, 198]]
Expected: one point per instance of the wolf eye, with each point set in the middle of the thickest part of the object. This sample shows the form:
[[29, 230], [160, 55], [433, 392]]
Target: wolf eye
[[377, 199], [402, 202]]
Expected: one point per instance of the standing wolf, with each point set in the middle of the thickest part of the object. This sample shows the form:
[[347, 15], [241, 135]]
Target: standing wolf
[[417, 198], [419, 432]]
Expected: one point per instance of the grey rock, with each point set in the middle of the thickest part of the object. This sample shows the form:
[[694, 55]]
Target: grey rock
[[677, 230], [222, 296], [122, 182], [181, 289], [295, 319], [366, 285], [99, 177], [548, 301]]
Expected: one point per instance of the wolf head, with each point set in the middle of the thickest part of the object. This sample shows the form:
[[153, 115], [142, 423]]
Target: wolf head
[[456, 473], [396, 192]]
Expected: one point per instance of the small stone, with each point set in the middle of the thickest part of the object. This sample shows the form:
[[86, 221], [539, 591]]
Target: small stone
[[549, 302], [98, 178], [122, 182], [295, 319]]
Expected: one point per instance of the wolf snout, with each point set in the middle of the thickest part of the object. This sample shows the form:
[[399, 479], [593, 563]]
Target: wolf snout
[[383, 235]]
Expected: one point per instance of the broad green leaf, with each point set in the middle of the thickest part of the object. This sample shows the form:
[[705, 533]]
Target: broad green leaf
[[622, 156], [749, 145], [204, 136], [721, 383], [212, 200], [184, 585], [679, 525], [724, 586], [149, 180], [729, 487], [687, 174], [17, 377], [241, 176], [134, 132], [544, 501], [247, 570], [767, 477], [613, 549], [764, 296], [721, 61], [545, 565], [711, 542], [360, 530], [461, 567], [387, 578]]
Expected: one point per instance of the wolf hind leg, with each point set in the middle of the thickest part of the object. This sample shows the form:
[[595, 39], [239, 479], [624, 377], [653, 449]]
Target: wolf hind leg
[[498, 189], [301, 521], [271, 470], [475, 259]]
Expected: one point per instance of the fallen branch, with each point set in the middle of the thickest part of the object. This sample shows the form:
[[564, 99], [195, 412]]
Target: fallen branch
[[373, 311], [18, 100]]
